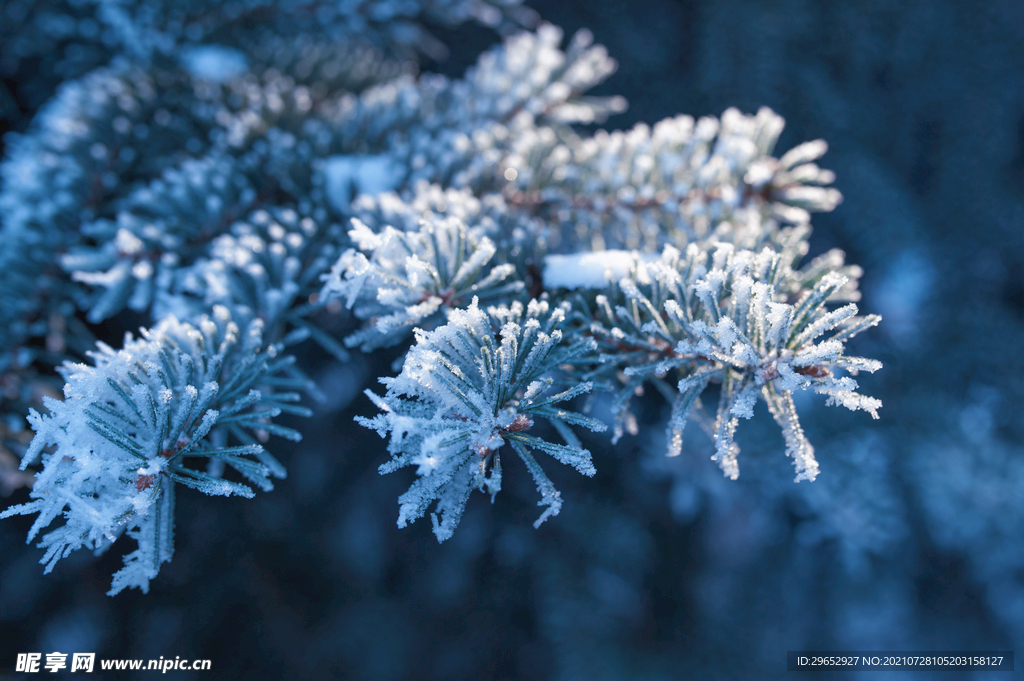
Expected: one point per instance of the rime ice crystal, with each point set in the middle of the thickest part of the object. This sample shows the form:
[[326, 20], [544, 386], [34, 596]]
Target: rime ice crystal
[[463, 394], [529, 262], [714, 315], [411, 278], [128, 424]]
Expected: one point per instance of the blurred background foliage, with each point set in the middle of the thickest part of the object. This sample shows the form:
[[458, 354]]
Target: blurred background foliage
[[910, 539]]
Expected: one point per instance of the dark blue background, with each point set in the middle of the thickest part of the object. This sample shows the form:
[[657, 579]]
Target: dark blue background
[[911, 539]]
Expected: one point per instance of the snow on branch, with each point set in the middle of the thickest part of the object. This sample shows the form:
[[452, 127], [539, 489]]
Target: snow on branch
[[404, 280], [740, 319], [135, 424], [208, 175], [680, 181], [467, 389]]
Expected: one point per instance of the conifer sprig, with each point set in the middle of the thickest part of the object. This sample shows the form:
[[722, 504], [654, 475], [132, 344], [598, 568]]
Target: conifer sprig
[[137, 423], [206, 173], [412, 279], [470, 387], [716, 316]]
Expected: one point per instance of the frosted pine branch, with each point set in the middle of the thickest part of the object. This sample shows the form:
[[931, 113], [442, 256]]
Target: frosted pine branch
[[466, 390], [411, 279], [210, 172], [715, 316], [133, 426], [678, 182]]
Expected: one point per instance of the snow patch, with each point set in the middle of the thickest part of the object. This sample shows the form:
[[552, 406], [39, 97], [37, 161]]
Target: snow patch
[[590, 270], [214, 62], [348, 176]]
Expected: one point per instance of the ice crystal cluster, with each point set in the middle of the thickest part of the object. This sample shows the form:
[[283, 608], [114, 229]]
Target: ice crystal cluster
[[251, 176]]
